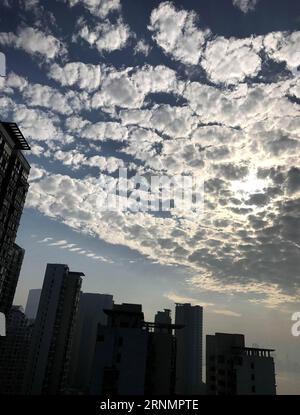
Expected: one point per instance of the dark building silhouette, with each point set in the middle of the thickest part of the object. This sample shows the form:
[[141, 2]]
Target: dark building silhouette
[[32, 303], [134, 357], [161, 355], [12, 276], [163, 317], [14, 351], [189, 349], [119, 366], [50, 348], [233, 369], [14, 171], [90, 314]]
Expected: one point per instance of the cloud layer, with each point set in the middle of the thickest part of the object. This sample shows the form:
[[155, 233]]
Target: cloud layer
[[233, 125]]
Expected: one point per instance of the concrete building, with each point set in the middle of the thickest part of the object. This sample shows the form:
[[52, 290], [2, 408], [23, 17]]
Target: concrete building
[[14, 171], [50, 348], [119, 365], [163, 317], [32, 303], [233, 369], [161, 355], [14, 351], [134, 357], [10, 282], [90, 314], [189, 349]]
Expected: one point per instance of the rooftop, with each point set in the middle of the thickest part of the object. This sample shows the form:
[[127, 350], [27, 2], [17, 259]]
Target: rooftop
[[13, 130]]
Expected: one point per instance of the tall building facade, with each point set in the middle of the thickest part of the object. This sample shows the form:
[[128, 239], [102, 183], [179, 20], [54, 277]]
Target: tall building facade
[[233, 369], [119, 365], [14, 349], [50, 348], [10, 282], [32, 303], [163, 317], [189, 349], [90, 314], [161, 355], [14, 171]]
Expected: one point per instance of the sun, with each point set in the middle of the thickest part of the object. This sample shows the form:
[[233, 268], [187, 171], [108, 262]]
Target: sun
[[250, 184]]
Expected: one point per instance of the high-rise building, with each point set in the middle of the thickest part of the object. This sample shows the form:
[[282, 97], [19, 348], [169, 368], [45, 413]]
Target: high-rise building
[[32, 303], [119, 365], [12, 276], [161, 355], [50, 348], [90, 314], [233, 369], [189, 349], [163, 317], [14, 351], [14, 171]]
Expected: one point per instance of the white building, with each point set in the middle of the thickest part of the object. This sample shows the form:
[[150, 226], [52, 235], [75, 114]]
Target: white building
[[189, 349]]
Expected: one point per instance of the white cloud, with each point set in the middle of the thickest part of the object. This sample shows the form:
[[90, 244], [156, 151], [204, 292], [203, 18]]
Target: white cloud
[[34, 42], [227, 313], [36, 173], [284, 47], [128, 88], [37, 125], [173, 121], [12, 81], [75, 160], [177, 34], [158, 78], [106, 36], [245, 238], [245, 5], [142, 47], [58, 243], [117, 90], [82, 75], [64, 244], [182, 299], [231, 60], [75, 124], [100, 8], [103, 131], [45, 240], [45, 96]]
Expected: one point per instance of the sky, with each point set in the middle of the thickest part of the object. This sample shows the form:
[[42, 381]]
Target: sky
[[207, 89]]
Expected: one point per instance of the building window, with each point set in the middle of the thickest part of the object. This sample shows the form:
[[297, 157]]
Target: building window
[[221, 359]]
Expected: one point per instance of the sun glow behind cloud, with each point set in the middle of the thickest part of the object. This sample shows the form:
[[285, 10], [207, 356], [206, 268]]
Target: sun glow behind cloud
[[249, 184], [211, 108]]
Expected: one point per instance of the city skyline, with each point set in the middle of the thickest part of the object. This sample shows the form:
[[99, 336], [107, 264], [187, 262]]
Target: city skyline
[[95, 349], [194, 88]]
